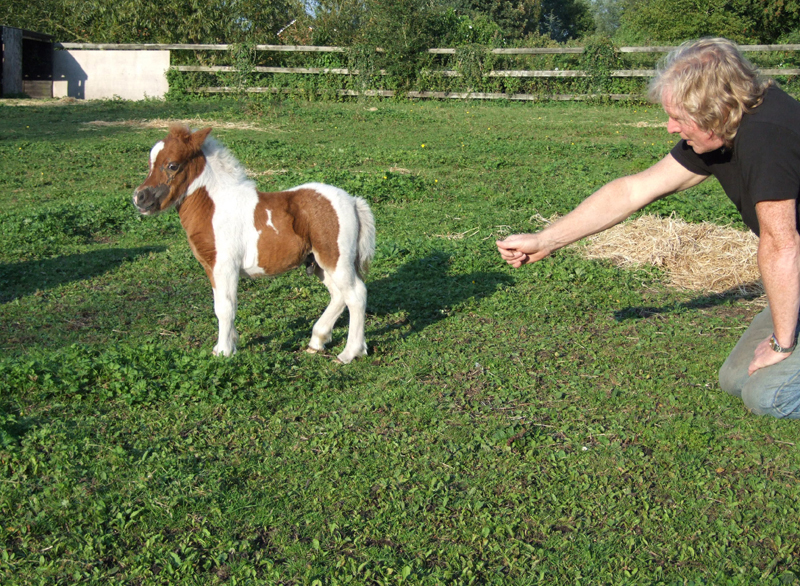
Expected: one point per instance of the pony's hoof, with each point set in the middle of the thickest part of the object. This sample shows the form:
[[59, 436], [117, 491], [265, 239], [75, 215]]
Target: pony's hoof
[[347, 357]]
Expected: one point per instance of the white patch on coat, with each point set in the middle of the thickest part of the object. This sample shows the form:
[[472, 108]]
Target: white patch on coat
[[235, 199], [269, 222]]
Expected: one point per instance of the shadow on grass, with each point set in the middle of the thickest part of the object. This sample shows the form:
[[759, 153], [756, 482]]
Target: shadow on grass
[[424, 290], [701, 302], [421, 292], [416, 295], [13, 425], [25, 278]]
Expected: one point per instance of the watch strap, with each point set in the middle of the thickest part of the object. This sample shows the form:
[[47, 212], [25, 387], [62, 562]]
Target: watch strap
[[773, 343]]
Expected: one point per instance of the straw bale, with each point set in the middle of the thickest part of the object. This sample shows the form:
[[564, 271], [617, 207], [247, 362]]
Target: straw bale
[[698, 257]]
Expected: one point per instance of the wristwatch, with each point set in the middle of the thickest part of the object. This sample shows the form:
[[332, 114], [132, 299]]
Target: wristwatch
[[773, 343]]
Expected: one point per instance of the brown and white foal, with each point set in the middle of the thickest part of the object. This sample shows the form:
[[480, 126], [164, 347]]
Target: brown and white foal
[[234, 229]]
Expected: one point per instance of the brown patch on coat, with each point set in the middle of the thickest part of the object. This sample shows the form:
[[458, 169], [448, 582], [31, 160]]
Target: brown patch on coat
[[196, 212], [304, 221]]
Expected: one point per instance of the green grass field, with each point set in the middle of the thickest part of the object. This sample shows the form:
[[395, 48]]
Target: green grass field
[[557, 424]]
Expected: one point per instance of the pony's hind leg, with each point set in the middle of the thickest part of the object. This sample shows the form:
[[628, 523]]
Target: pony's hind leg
[[321, 332], [354, 292]]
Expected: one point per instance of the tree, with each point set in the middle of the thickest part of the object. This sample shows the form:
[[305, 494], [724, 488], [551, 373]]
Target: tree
[[516, 18], [337, 22], [780, 20], [156, 21], [566, 19], [403, 30], [673, 21], [457, 30], [607, 16]]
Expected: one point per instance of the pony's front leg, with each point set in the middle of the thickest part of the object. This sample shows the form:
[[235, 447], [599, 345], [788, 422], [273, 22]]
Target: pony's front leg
[[225, 291]]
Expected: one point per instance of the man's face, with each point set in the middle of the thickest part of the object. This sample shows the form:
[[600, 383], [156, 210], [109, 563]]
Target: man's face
[[701, 141]]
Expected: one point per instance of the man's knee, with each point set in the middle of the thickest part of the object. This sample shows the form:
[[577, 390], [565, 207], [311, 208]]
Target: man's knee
[[731, 380], [780, 402]]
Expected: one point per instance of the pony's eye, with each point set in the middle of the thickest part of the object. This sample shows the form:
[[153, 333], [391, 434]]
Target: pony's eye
[[173, 166]]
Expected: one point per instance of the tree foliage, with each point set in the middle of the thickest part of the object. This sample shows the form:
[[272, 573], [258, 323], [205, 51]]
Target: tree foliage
[[515, 18], [403, 31], [155, 21], [458, 30], [780, 21], [607, 15], [566, 19], [673, 21], [405, 25], [337, 22]]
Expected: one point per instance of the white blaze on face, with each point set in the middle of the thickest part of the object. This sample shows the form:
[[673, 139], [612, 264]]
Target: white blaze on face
[[154, 153]]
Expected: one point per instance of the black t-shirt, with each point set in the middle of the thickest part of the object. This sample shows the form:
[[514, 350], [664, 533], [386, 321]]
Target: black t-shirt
[[764, 163]]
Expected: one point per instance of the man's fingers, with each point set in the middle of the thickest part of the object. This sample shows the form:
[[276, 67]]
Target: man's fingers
[[764, 356]]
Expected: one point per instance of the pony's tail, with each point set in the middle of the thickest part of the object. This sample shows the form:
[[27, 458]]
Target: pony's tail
[[366, 236]]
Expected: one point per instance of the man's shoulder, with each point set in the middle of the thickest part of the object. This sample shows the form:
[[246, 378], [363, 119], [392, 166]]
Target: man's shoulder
[[778, 108], [767, 148]]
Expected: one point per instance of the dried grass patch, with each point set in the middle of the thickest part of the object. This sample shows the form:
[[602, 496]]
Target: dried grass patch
[[193, 122], [698, 257], [267, 173], [644, 124], [459, 235], [65, 101]]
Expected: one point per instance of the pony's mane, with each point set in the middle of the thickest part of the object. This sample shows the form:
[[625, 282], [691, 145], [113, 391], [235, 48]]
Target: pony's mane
[[223, 163]]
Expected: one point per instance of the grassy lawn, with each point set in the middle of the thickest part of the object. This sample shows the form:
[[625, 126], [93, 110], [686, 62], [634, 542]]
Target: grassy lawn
[[557, 424]]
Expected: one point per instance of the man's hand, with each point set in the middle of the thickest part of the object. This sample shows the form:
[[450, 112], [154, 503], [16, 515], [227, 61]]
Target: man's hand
[[521, 249], [765, 356]]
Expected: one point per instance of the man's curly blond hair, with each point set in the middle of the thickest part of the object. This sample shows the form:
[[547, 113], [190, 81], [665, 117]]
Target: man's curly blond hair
[[712, 82]]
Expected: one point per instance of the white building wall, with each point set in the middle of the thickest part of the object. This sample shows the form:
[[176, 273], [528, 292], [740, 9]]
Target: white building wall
[[97, 75]]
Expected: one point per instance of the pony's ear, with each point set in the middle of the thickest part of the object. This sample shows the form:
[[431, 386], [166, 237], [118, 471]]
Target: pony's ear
[[199, 137]]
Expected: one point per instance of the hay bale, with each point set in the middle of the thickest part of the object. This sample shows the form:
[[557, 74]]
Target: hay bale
[[698, 257]]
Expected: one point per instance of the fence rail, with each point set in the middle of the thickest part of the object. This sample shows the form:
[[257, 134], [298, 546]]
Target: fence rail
[[502, 73], [440, 51]]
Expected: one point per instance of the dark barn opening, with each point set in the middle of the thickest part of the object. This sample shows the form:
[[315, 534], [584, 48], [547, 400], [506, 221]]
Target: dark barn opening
[[27, 59]]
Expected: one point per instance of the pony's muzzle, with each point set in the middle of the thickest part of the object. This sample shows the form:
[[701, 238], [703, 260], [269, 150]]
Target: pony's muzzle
[[148, 199]]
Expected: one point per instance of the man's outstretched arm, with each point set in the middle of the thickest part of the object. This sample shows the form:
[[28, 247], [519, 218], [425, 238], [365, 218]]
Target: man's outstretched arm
[[605, 208]]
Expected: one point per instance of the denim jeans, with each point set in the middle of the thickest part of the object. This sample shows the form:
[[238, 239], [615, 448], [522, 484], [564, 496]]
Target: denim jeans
[[774, 390]]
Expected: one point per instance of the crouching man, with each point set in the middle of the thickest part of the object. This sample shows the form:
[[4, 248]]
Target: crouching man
[[745, 131]]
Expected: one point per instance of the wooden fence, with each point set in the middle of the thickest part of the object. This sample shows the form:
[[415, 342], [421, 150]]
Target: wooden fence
[[502, 73]]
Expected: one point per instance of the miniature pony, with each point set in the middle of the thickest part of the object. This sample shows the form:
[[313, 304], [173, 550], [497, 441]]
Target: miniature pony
[[234, 229]]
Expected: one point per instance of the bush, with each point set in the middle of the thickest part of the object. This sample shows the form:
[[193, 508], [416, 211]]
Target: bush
[[599, 59], [402, 31]]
